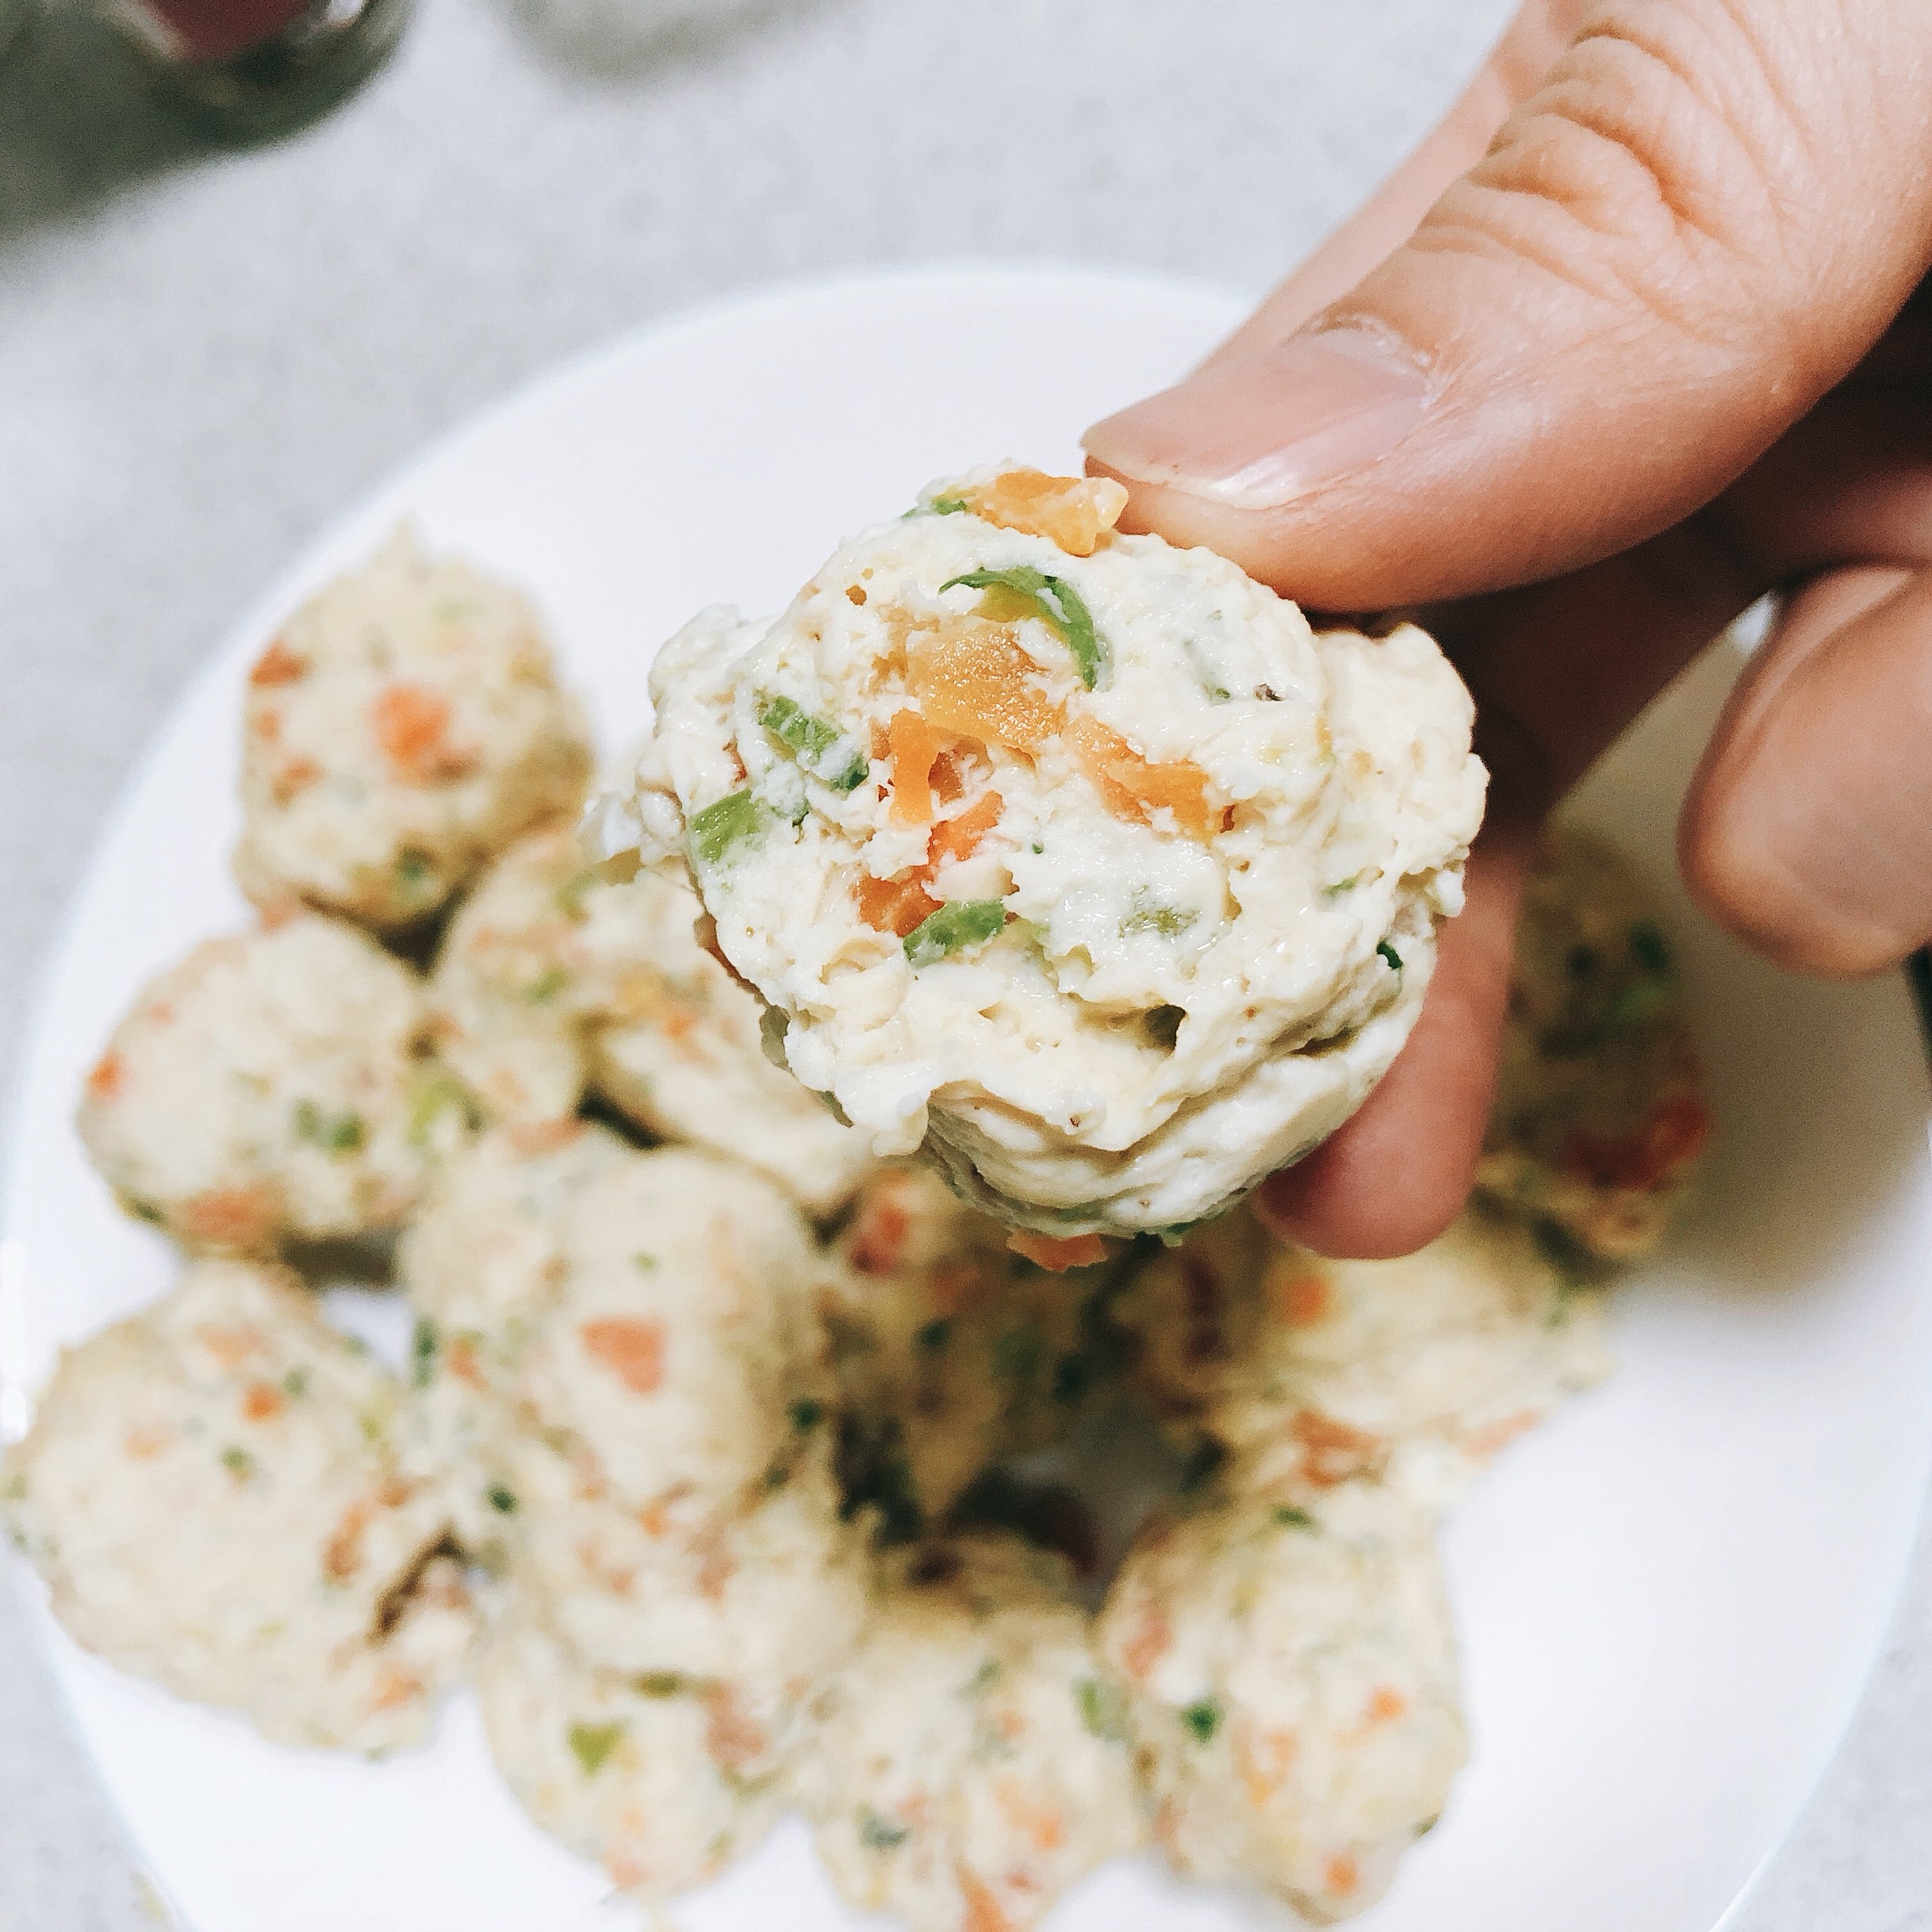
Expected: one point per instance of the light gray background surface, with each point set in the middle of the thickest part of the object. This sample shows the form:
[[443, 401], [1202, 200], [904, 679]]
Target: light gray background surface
[[205, 357]]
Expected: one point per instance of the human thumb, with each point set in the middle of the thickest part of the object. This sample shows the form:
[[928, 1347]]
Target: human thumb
[[1698, 223]]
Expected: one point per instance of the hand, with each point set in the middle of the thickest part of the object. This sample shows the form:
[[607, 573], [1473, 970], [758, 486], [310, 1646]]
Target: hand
[[1658, 345]]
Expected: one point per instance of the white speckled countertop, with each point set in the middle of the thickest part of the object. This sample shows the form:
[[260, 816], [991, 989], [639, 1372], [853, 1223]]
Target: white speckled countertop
[[205, 357]]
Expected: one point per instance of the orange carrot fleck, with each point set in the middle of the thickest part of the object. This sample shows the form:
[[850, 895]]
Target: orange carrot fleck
[[291, 780], [1148, 1645], [1331, 1451], [411, 724], [631, 1349], [460, 1358], [913, 749], [144, 1444], [960, 838], [895, 906], [279, 665], [544, 1136], [879, 1237], [974, 679], [1057, 1254], [229, 1217], [1342, 1877], [732, 1738], [104, 1082], [1303, 1299], [341, 1557], [261, 1402], [983, 1912], [1673, 1135], [1074, 513], [395, 1688], [1132, 786]]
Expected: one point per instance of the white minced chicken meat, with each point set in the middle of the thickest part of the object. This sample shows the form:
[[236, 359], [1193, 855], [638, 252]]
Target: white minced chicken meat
[[1601, 1123], [972, 1761], [1294, 1692], [1080, 860], [214, 1492], [622, 1363], [273, 1084], [951, 1349], [1419, 1370], [644, 1773], [654, 1309], [404, 724], [554, 977]]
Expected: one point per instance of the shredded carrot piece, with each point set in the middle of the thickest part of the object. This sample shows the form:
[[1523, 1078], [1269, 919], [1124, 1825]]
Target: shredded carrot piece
[[1499, 1435], [895, 906], [1331, 1451], [261, 1402], [974, 679], [913, 749], [631, 1349], [879, 1235], [1301, 1299], [1674, 1135], [1265, 1759], [396, 1687], [147, 1441], [341, 1557], [1342, 1878], [279, 665], [293, 779], [1132, 786], [411, 724], [104, 1081], [1385, 1704], [229, 1216], [1149, 1644], [1056, 1253], [983, 1912], [960, 838], [544, 1136], [460, 1357], [734, 1739], [1074, 513]]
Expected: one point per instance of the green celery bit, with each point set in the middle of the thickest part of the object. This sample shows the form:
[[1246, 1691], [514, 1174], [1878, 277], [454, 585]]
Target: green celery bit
[[1103, 1709], [947, 506], [1203, 1719], [239, 1463], [959, 923], [1289, 1517], [729, 822], [660, 1684], [1146, 914], [502, 1500], [822, 749], [591, 1744], [1059, 605], [1393, 958]]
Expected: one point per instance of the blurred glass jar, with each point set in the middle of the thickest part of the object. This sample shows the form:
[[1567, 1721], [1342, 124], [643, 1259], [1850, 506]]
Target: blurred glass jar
[[248, 69], [13, 19]]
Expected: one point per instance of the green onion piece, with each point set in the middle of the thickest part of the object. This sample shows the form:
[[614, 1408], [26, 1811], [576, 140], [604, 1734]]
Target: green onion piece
[[591, 1744], [422, 1346], [1103, 1709], [806, 1414], [502, 1500], [334, 1133], [1058, 605], [1388, 952], [877, 1833], [1203, 1719], [239, 1463], [729, 822], [947, 506], [959, 923], [822, 749], [435, 1094], [1290, 1518]]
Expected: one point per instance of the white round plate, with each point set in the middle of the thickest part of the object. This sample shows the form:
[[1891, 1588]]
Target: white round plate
[[1669, 1598]]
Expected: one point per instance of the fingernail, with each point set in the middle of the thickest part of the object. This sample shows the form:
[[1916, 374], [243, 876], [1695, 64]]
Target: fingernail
[[1261, 430]]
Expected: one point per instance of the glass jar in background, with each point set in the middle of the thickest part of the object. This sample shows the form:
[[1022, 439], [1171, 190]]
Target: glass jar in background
[[249, 69], [13, 20]]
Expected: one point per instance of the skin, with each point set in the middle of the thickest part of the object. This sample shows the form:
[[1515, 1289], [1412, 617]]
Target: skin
[[1654, 295]]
